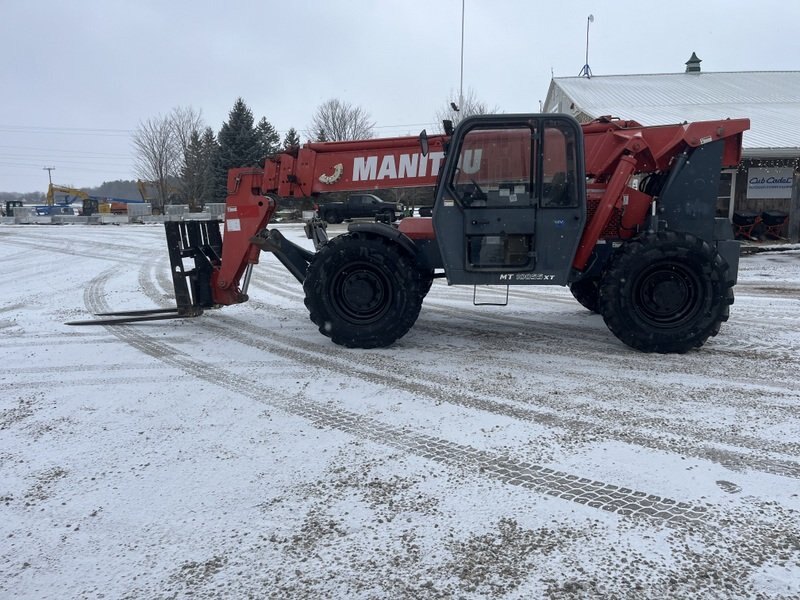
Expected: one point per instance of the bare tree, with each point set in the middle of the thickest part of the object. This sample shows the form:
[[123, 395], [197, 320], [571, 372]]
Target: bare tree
[[158, 155], [338, 121], [162, 152], [470, 105], [186, 124]]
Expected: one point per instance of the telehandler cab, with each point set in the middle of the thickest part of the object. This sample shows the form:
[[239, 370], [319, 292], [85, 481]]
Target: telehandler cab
[[623, 214]]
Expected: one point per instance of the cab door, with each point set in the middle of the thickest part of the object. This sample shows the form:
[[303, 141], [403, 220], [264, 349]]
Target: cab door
[[507, 208]]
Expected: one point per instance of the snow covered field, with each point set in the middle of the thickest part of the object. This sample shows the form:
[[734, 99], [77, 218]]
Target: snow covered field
[[517, 452]]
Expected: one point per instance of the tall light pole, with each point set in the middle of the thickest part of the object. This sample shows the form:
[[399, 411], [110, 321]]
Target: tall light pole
[[461, 87], [586, 71]]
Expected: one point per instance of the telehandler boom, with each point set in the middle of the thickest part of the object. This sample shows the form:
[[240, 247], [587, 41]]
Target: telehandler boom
[[623, 214]]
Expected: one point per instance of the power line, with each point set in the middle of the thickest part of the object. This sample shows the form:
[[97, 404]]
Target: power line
[[128, 132], [64, 151], [32, 166], [112, 163], [48, 129], [49, 157]]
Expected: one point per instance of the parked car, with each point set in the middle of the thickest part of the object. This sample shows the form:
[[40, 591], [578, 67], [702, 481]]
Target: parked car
[[359, 205]]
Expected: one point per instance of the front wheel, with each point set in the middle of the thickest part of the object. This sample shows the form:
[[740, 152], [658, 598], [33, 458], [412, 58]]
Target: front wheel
[[362, 291], [666, 292], [425, 282]]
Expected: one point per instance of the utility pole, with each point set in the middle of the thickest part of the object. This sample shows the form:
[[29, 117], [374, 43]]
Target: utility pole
[[49, 176]]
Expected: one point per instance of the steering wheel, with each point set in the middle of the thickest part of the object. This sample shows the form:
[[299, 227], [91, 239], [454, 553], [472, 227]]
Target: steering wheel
[[481, 195]]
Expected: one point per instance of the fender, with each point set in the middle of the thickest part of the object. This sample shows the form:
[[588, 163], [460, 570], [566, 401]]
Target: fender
[[425, 252], [388, 232]]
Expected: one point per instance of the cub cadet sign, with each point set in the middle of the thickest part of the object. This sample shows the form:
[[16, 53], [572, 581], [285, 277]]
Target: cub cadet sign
[[769, 183]]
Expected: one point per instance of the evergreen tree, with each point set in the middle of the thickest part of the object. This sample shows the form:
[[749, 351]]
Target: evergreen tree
[[321, 137], [192, 172], [240, 144], [292, 140], [210, 153], [270, 140], [198, 174]]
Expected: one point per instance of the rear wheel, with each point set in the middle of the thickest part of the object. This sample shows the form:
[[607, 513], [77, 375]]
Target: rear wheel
[[587, 292], [362, 292], [666, 292], [333, 217]]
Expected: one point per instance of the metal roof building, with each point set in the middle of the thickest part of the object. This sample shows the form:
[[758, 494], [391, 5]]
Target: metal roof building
[[770, 99]]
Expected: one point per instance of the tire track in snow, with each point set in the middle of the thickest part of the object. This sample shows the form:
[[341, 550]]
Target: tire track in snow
[[483, 397], [584, 341], [723, 457], [755, 541], [116, 252], [595, 494], [497, 343], [11, 307], [368, 366], [751, 536], [682, 516]]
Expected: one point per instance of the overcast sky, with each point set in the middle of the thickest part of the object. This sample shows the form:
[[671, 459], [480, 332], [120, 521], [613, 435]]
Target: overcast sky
[[77, 77]]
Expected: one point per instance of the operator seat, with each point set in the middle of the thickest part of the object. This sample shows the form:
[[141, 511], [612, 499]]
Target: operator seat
[[559, 189]]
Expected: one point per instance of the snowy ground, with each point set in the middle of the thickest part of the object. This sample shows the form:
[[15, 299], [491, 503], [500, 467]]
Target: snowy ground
[[518, 452]]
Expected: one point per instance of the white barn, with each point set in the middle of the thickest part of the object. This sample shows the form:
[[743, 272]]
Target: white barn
[[770, 99]]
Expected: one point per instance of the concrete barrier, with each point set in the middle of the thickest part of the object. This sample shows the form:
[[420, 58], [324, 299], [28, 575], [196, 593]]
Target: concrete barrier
[[150, 219], [176, 209], [216, 209], [113, 219], [70, 220], [33, 220]]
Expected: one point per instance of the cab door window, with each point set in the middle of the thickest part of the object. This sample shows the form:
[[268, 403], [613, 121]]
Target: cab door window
[[496, 168], [559, 166]]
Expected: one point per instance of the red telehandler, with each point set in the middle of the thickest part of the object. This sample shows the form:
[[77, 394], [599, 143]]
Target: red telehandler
[[623, 214]]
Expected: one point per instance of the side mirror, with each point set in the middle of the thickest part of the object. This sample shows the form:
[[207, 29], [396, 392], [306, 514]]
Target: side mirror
[[423, 142], [447, 125]]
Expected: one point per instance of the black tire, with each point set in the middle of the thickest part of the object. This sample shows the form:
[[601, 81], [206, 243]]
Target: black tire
[[666, 292], [587, 292], [383, 217], [333, 217], [362, 292], [425, 282]]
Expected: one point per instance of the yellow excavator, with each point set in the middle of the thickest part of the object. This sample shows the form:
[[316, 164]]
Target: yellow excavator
[[71, 194]]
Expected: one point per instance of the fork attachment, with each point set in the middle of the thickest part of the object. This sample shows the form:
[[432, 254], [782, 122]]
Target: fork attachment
[[219, 276], [199, 241]]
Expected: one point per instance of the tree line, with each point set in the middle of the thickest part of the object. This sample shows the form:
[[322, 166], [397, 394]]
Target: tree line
[[181, 160]]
